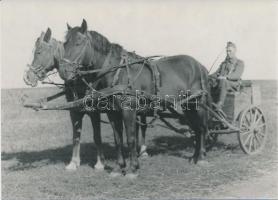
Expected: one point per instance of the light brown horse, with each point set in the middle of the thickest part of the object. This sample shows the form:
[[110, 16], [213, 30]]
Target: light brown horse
[[177, 73], [47, 55]]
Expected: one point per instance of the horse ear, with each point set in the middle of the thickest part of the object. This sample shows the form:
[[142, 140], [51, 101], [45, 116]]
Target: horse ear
[[41, 37], [69, 27], [83, 26], [47, 35]]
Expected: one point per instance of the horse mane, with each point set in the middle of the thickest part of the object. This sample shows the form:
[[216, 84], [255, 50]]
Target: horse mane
[[101, 43]]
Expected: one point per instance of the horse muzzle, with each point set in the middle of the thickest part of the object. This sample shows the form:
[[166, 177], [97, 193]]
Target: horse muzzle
[[30, 78], [67, 71]]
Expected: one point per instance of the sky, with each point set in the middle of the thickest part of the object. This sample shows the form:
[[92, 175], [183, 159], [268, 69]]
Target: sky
[[196, 28]]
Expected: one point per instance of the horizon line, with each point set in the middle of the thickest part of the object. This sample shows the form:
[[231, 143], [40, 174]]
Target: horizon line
[[50, 86]]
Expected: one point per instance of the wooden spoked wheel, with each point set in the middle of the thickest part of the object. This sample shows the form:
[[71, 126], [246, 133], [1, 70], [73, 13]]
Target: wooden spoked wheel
[[253, 131]]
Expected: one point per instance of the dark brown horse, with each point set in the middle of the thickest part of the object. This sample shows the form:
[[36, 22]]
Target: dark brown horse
[[47, 56], [177, 73]]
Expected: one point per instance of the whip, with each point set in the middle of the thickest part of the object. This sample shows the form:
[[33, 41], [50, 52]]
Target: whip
[[216, 59]]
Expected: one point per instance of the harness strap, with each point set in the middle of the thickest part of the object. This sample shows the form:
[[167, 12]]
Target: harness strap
[[138, 74], [156, 84], [157, 78], [88, 84], [116, 76], [131, 81], [129, 85]]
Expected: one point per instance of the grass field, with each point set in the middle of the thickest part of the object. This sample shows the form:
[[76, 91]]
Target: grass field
[[37, 145]]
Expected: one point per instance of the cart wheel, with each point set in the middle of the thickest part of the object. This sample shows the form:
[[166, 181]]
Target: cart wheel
[[253, 130]]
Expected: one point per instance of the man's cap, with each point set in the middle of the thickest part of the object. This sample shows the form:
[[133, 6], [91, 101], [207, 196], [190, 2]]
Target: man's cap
[[230, 44]]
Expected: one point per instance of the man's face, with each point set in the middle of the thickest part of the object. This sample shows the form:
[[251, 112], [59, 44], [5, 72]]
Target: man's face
[[231, 52]]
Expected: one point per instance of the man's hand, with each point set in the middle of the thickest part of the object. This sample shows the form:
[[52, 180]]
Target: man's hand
[[222, 77]]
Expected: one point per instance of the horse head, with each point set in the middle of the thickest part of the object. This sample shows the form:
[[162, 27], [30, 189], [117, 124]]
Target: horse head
[[47, 54], [84, 49]]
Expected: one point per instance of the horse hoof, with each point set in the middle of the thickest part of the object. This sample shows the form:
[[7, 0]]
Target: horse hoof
[[115, 174], [131, 176], [72, 166], [99, 167], [144, 155], [143, 152]]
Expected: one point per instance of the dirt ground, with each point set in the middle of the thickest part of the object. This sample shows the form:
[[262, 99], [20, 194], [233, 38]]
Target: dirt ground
[[265, 186], [36, 146]]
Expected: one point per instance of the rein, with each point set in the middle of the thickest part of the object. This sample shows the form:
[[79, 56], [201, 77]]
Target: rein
[[114, 68], [37, 70]]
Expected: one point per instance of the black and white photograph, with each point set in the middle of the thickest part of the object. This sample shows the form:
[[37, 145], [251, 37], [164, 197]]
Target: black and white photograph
[[119, 99]]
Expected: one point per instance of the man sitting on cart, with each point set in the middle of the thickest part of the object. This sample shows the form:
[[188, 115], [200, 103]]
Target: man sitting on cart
[[228, 75]]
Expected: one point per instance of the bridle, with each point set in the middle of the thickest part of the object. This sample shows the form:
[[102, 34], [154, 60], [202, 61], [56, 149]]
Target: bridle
[[41, 69], [76, 63]]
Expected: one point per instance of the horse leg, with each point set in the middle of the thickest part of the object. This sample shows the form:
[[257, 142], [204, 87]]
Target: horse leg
[[137, 136], [95, 119], [204, 131], [76, 120], [143, 150], [129, 118], [117, 126], [197, 124]]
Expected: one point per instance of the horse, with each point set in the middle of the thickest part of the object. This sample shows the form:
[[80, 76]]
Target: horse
[[91, 50], [48, 54]]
